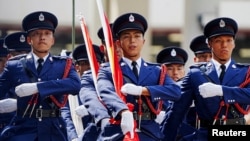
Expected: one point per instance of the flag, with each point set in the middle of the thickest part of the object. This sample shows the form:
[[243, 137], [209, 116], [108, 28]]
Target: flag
[[94, 65]]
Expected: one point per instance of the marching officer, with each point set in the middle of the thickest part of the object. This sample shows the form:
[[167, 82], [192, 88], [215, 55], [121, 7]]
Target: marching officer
[[203, 55], [4, 117], [41, 82], [89, 104], [216, 87], [175, 58], [200, 49], [91, 100], [141, 86], [16, 44]]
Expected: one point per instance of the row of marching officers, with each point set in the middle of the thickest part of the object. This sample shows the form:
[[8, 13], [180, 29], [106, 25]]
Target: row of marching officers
[[127, 107]]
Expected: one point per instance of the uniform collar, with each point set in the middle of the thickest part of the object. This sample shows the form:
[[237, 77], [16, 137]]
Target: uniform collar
[[36, 58], [129, 62], [217, 65]]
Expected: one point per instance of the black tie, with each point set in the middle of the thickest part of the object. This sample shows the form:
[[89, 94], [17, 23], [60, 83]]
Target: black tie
[[135, 69], [223, 68], [40, 65]]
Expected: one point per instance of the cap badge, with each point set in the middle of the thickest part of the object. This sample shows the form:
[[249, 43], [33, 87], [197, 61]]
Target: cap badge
[[22, 38], [173, 53], [222, 23], [131, 18], [41, 17]]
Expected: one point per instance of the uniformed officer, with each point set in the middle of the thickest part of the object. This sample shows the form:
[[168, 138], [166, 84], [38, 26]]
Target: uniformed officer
[[175, 58], [17, 43], [214, 89], [41, 85], [4, 118], [91, 100], [82, 63], [202, 54], [141, 85], [200, 48]]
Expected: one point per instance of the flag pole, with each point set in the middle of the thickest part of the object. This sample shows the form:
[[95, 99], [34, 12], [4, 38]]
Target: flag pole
[[73, 99]]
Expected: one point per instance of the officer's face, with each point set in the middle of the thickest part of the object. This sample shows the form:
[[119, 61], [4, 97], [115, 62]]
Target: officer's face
[[118, 51], [175, 71], [82, 66], [203, 57], [41, 41], [222, 47], [131, 42]]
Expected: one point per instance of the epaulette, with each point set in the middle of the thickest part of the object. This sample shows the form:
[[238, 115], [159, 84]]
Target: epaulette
[[87, 72], [17, 57], [198, 65], [153, 64], [60, 57], [105, 64], [243, 64]]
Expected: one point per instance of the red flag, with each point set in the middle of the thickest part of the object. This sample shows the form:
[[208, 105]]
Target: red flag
[[94, 65], [113, 59], [114, 64]]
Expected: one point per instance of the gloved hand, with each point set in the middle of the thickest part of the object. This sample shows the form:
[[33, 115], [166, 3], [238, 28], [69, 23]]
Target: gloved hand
[[247, 118], [26, 89], [160, 117], [210, 90], [8, 105], [77, 139], [127, 123], [104, 122], [81, 111], [131, 89]]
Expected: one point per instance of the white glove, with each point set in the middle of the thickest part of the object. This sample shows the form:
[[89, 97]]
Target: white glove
[[160, 117], [104, 122], [127, 123], [210, 90], [26, 89], [8, 105], [247, 118], [131, 89], [77, 139], [81, 111]]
